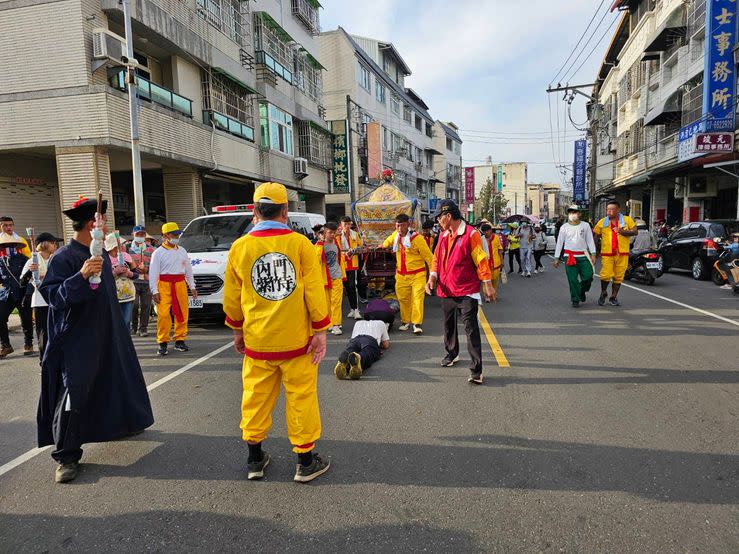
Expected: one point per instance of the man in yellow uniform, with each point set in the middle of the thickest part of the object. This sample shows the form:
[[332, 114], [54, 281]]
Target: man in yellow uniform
[[170, 276], [494, 250], [333, 268], [615, 231], [413, 256], [274, 302], [350, 242]]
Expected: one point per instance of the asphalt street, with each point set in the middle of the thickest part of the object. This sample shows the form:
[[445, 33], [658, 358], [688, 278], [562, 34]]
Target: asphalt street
[[612, 429]]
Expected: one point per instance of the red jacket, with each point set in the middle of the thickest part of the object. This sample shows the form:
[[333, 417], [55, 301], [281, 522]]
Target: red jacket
[[460, 262]]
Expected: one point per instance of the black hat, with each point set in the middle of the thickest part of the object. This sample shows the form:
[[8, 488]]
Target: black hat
[[47, 237], [84, 209], [428, 224], [447, 206]]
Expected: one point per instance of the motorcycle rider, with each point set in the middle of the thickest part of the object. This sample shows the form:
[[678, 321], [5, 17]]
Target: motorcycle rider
[[643, 239]]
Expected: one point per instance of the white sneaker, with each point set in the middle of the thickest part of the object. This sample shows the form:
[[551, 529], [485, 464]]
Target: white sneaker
[[350, 314], [357, 315], [404, 327], [336, 330], [417, 330], [536, 271]]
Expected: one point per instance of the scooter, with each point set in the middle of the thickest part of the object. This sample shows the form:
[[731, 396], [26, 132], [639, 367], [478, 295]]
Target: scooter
[[723, 264], [645, 266]]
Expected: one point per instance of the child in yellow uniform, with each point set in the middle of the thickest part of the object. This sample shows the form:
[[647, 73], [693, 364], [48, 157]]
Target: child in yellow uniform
[[274, 302], [615, 232], [413, 256], [333, 267]]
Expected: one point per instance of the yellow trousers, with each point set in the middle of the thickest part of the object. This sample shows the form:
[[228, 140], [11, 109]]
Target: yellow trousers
[[495, 277], [261, 380], [613, 268], [410, 290], [334, 298], [164, 318]]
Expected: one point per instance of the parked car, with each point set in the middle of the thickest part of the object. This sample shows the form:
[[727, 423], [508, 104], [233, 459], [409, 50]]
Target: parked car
[[551, 241], [692, 246]]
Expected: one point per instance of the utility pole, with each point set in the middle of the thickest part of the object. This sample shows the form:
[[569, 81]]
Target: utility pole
[[131, 64], [352, 191]]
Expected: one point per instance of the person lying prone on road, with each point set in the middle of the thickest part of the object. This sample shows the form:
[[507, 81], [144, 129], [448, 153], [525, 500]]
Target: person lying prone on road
[[369, 340]]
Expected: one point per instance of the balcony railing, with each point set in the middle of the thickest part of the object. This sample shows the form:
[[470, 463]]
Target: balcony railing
[[154, 93], [307, 12], [229, 124], [264, 58]]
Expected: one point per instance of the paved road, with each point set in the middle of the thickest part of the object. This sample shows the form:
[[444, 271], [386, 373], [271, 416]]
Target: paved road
[[612, 430]]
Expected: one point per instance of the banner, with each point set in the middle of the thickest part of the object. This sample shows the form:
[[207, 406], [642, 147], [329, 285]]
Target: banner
[[374, 151], [340, 172], [469, 185], [500, 178], [719, 80], [578, 179]]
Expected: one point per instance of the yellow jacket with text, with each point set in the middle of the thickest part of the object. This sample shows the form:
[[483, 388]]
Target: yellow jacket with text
[[410, 261], [274, 293], [611, 243]]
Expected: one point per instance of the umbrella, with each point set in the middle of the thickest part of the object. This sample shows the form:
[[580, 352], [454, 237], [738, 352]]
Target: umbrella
[[521, 217]]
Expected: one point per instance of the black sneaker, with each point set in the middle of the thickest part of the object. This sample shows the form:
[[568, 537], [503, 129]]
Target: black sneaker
[[181, 346], [355, 366], [582, 297], [448, 362], [575, 304], [305, 474], [162, 351], [255, 470], [66, 472], [342, 366], [614, 302], [475, 378], [602, 299]]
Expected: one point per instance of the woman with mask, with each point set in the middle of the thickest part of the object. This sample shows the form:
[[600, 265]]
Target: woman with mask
[[540, 248], [141, 251], [123, 271]]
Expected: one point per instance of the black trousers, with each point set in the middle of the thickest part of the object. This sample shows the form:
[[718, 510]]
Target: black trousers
[[41, 315], [351, 288], [468, 308], [26, 314], [538, 255], [514, 254], [141, 306], [367, 348], [66, 430]]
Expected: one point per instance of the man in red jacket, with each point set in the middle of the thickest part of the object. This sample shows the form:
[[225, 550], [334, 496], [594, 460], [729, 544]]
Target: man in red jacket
[[459, 265]]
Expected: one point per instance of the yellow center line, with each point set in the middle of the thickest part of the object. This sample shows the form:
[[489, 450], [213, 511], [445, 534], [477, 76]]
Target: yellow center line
[[494, 344]]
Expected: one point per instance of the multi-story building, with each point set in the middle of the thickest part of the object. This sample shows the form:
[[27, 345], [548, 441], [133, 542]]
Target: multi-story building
[[229, 94], [390, 126], [448, 166], [544, 200], [515, 178], [648, 104]]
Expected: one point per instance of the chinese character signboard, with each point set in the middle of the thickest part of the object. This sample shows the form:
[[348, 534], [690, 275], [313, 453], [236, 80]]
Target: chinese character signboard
[[374, 151], [578, 179], [686, 139], [340, 172], [469, 184], [719, 81], [500, 178], [714, 142]]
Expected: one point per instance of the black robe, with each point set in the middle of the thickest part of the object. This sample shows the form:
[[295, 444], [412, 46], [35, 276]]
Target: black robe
[[89, 351]]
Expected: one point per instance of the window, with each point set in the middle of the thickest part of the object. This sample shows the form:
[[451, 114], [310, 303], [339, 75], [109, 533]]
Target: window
[[379, 91], [419, 123], [395, 105], [364, 78], [307, 76], [457, 148], [228, 105], [386, 63], [449, 144], [407, 114], [418, 157], [429, 130], [276, 128], [270, 48], [314, 144], [231, 17]]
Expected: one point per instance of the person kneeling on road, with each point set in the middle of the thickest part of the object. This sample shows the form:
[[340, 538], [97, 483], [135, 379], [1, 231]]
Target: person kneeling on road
[[369, 339]]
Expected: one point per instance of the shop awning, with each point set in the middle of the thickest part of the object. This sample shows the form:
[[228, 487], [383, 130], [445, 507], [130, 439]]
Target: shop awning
[[433, 151], [665, 111]]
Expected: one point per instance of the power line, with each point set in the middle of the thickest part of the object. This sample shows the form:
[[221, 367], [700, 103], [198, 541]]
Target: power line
[[584, 47], [579, 41], [594, 48]]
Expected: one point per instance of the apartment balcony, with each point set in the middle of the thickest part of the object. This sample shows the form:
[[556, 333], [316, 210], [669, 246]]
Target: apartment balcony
[[306, 11], [666, 151], [229, 124], [154, 93]]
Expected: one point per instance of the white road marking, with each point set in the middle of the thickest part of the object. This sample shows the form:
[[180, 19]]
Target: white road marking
[[23, 458], [681, 304]]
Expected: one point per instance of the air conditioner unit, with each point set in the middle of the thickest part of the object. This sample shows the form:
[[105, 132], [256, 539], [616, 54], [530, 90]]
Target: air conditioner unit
[[702, 187], [107, 45], [300, 166]]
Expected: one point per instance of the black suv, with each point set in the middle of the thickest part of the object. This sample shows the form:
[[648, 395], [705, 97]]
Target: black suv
[[692, 246]]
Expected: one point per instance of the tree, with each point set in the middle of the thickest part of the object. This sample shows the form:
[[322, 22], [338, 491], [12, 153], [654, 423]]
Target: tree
[[492, 203]]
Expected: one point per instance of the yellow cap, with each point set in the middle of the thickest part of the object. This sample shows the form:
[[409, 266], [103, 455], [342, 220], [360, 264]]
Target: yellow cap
[[170, 227], [271, 193]]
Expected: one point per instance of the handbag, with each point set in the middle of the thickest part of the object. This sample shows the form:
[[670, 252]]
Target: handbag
[[503, 277]]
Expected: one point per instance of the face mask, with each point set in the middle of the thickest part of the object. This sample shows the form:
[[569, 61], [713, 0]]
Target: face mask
[[174, 242], [573, 218], [139, 240]]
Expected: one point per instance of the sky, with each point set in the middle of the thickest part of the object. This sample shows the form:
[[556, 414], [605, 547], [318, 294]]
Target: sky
[[486, 65]]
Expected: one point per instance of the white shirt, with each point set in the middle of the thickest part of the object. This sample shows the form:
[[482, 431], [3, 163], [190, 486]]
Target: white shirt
[[37, 301], [375, 329], [578, 238], [170, 261]]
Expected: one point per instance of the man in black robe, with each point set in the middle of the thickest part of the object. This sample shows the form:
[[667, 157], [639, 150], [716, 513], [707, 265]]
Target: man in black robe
[[92, 387]]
